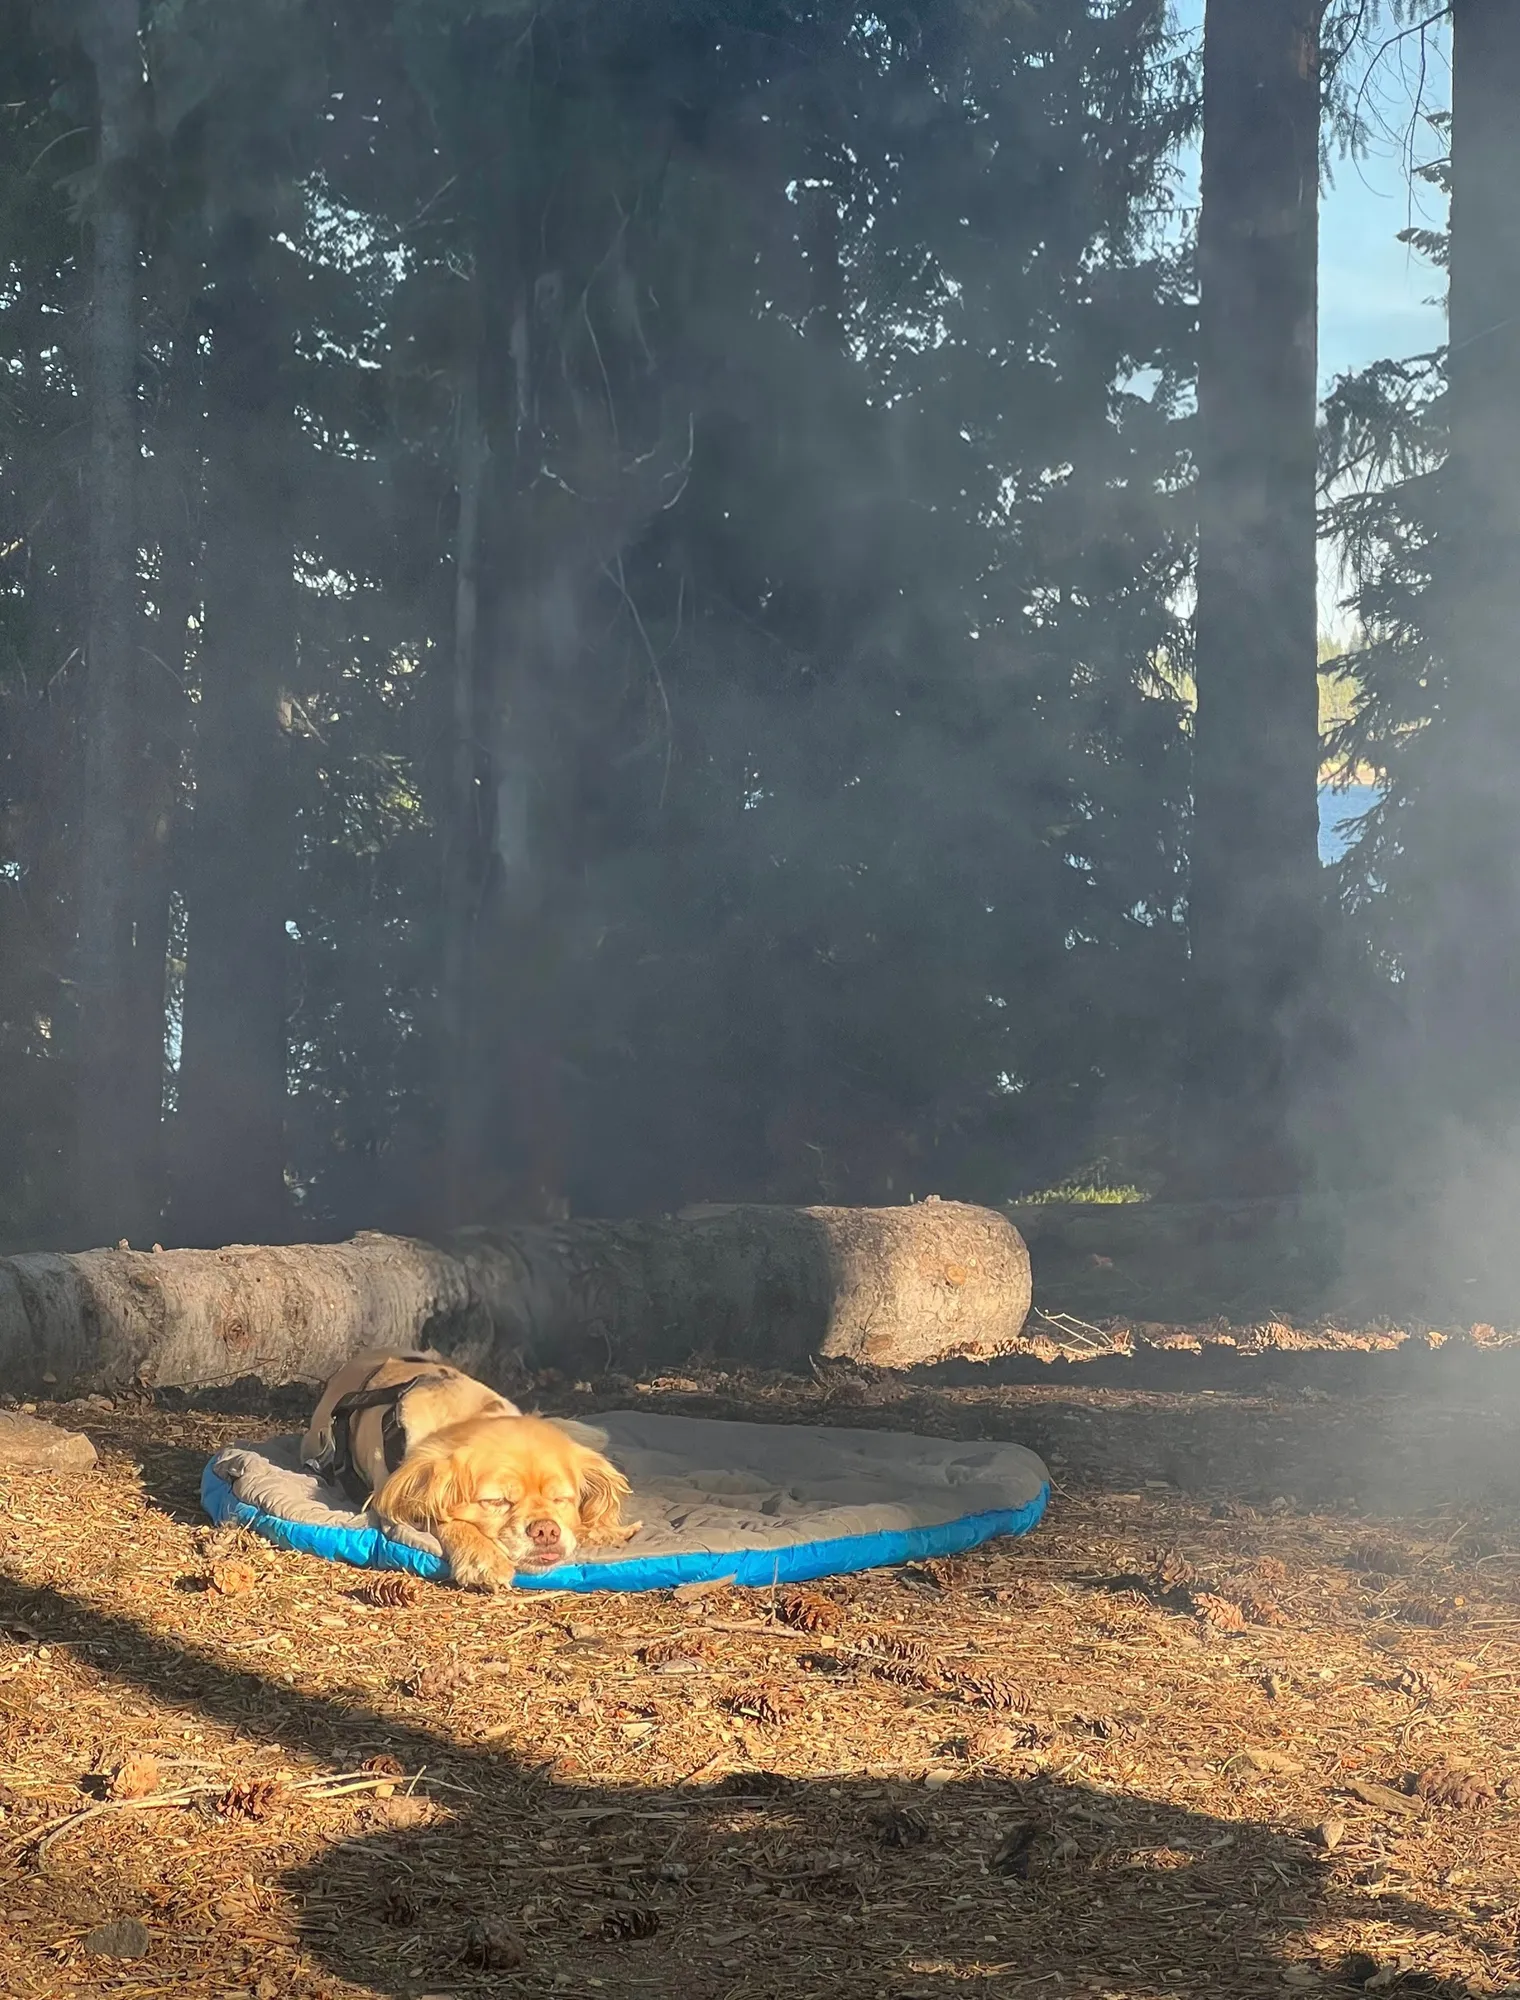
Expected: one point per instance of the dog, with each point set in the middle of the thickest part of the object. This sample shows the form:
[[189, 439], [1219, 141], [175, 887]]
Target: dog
[[379, 1405], [426, 1446]]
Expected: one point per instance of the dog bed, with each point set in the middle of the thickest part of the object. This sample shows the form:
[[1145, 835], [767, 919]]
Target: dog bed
[[755, 1504]]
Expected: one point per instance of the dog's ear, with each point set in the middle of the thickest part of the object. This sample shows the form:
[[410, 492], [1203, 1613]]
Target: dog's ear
[[425, 1489], [603, 1490]]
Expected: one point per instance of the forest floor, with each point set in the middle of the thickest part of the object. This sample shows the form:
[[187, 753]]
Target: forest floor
[[1239, 1718]]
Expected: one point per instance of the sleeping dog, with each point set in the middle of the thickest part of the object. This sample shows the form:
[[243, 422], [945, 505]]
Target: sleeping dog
[[424, 1445]]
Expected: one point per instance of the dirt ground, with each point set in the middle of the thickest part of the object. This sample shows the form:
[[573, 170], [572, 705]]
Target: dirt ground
[[1239, 1718]]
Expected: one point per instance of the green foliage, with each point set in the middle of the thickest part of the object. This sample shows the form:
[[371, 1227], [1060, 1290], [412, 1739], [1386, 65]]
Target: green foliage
[[1087, 1194]]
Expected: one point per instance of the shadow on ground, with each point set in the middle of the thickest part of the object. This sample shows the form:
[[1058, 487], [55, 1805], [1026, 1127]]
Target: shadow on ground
[[756, 1888]]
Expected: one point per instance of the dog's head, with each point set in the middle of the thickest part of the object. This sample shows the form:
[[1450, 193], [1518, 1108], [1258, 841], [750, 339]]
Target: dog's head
[[536, 1491]]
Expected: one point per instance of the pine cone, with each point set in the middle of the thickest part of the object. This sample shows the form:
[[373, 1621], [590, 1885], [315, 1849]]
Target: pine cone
[[136, 1778], [232, 1579], [1257, 1605], [766, 1703], [897, 1646], [248, 1801], [630, 1922], [992, 1691], [998, 1743], [389, 1590], [809, 1611], [1449, 1785], [1427, 1612], [944, 1572], [687, 1646], [1416, 1683], [490, 1945], [1376, 1559], [908, 1674], [1170, 1570], [899, 1827], [1218, 1613]]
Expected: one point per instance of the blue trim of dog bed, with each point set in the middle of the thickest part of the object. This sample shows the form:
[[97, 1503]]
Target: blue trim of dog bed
[[369, 1548]]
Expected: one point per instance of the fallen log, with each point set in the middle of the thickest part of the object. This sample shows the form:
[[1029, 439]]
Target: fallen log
[[891, 1288]]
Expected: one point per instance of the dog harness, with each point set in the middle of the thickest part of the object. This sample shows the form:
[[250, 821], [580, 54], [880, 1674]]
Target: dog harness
[[337, 1462]]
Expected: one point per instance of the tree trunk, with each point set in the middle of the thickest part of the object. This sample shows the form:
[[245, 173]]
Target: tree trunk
[[1255, 896], [463, 860], [230, 1137], [890, 1288], [163, 727], [531, 898], [1469, 986], [526, 721], [114, 1137]]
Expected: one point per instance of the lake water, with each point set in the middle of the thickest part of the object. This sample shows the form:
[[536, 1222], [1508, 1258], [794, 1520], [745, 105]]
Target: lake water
[[1338, 814]]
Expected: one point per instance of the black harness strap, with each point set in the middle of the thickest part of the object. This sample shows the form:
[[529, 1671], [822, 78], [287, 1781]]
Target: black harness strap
[[392, 1437]]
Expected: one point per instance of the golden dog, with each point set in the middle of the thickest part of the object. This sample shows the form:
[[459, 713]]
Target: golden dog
[[507, 1493], [432, 1449]]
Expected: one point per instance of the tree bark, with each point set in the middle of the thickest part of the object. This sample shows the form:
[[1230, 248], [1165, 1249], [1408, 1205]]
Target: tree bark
[[1468, 984], [525, 718], [230, 1136], [1255, 893], [889, 1288], [463, 859], [163, 731], [115, 1138]]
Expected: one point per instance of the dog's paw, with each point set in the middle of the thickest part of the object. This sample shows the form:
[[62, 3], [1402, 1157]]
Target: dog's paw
[[478, 1570], [612, 1538]]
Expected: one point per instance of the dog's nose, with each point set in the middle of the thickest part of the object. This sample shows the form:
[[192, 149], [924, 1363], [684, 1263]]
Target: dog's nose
[[544, 1534]]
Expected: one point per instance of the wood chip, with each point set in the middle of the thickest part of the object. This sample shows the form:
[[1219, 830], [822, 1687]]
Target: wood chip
[[1260, 1757], [1384, 1797], [695, 1593]]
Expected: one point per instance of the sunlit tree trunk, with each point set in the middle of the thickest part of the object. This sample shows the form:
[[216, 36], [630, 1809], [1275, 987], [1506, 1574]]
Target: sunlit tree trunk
[[1256, 896]]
